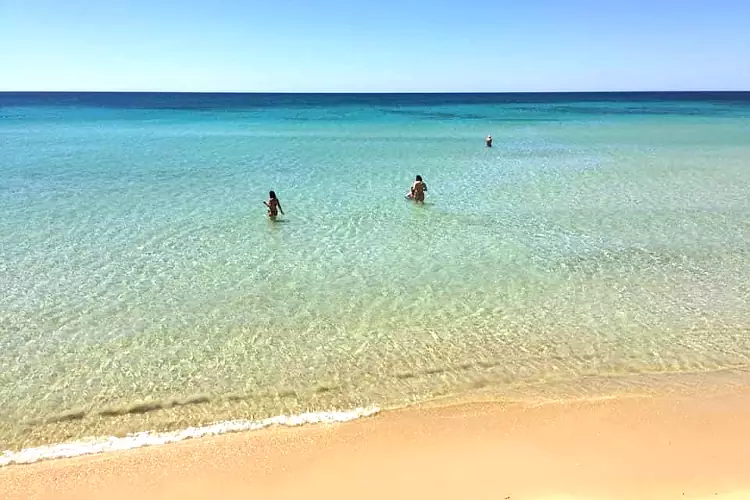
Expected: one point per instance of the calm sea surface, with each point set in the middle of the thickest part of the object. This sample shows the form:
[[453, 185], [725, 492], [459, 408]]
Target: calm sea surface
[[143, 287]]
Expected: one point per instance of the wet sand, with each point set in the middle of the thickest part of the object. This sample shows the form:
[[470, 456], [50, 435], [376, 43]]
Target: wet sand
[[632, 447]]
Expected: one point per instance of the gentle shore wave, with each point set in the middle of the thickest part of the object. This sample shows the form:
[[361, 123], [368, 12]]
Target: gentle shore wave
[[688, 446], [578, 390], [93, 446]]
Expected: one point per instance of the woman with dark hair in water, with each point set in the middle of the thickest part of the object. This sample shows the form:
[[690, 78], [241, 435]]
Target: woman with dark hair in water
[[273, 204], [417, 190]]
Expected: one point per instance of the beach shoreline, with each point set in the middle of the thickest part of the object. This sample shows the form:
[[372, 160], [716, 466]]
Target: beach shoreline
[[658, 446], [152, 422]]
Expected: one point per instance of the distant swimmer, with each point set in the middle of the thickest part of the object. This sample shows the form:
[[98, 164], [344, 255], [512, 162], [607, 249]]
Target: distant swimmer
[[488, 141], [417, 190], [273, 204]]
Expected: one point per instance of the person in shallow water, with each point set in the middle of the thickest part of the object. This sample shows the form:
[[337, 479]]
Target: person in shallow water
[[273, 204], [417, 190], [488, 141]]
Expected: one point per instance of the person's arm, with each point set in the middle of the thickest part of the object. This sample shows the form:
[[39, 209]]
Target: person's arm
[[266, 204], [424, 186], [280, 209]]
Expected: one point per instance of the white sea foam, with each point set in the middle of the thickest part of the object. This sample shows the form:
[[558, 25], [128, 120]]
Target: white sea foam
[[106, 444]]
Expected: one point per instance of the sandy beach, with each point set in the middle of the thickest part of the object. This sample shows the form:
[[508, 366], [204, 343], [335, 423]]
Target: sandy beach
[[631, 447]]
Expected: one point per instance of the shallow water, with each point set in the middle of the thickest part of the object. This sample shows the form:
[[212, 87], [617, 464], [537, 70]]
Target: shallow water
[[144, 288]]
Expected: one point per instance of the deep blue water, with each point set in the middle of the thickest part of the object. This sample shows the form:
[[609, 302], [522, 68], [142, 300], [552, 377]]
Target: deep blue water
[[217, 101]]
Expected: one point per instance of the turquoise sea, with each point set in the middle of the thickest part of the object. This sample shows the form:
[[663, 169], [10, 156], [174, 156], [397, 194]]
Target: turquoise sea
[[144, 288]]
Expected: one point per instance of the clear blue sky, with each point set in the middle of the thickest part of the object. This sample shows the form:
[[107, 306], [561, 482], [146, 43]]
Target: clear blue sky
[[375, 45]]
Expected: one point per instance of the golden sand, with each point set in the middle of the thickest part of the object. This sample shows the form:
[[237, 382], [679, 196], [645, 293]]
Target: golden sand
[[635, 448]]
